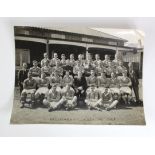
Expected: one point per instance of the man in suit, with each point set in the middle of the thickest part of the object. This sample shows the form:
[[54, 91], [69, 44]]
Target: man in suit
[[22, 75], [80, 86], [134, 80]]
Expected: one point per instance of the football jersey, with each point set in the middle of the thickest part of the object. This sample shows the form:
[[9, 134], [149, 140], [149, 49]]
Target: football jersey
[[43, 61], [106, 96], [53, 61], [89, 67], [102, 81], [109, 70], [30, 83], [47, 70], [92, 95], [58, 69], [125, 80], [76, 69], [67, 79], [81, 62], [99, 70], [55, 80], [35, 71], [43, 82], [114, 81], [72, 62], [121, 69], [63, 62], [97, 62], [68, 93], [106, 62], [92, 80]]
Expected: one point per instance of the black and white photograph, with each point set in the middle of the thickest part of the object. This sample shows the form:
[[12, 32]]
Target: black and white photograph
[[78, 75]]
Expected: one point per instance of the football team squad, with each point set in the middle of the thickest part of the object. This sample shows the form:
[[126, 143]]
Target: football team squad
[[69, 83]]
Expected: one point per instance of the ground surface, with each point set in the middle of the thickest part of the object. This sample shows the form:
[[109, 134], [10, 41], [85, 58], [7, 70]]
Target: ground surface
[[125, 115]]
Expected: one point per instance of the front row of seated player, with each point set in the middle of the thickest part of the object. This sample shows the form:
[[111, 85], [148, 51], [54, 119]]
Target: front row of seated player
[[105, 96], [57, 100], [105, 100]]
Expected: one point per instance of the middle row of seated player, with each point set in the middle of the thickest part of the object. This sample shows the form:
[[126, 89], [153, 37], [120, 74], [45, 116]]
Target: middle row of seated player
[[115, 82], [36, 71]]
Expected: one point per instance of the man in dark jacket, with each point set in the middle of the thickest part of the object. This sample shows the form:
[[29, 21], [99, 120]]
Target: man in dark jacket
[[22, 75], [134, 80], [80, 86]]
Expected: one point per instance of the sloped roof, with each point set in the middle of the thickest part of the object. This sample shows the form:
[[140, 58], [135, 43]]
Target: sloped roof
[[85, 31]]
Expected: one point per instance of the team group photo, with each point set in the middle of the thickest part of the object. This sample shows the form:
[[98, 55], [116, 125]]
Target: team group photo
[[64, 76]]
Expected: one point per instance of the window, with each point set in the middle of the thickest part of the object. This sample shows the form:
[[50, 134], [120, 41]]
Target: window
[[22, 55], [112, 43], [73, 37], [87, 40]]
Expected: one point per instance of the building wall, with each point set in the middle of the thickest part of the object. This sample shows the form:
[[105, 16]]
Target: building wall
[[136, 58], [68, 36], [132, 57]]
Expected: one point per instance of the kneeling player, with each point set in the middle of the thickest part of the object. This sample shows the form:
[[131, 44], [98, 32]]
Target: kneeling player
[[69, 100], [92, 98], [53, 100], [43, 90], [29, 86]]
